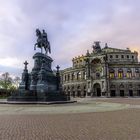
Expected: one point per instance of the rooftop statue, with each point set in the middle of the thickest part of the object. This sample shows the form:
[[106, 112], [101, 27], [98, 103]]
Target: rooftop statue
[[42, 41], [96, 47]]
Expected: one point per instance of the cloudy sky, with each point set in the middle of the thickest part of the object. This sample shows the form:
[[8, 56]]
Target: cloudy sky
[[72, 27]]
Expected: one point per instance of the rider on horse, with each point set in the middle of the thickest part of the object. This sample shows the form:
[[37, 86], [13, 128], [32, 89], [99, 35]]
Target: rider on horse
[[42, 41]]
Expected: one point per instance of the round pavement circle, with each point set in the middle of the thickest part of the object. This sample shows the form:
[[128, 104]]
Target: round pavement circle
[[80, 107]]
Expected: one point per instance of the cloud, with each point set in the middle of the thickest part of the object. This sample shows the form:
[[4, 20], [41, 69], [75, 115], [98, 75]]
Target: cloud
[[72, 27], [9, 62]]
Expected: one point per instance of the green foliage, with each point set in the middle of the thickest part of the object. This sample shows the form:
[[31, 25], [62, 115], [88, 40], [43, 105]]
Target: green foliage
[[16, 81], [6, 81], [7, 84]]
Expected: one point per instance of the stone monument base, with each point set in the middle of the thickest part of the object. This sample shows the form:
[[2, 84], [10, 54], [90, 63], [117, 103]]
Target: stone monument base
[[22, 98], [49, 97]]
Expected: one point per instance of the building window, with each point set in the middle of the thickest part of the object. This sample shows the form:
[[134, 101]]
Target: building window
[[111, 56], [122, 56], [78, 75], [132, 56], [72, 76], [102, 84], [111, 73], [122, 93], [130, 92], [137, 70], [130, 86], [68, 88], [137, 73], [88, 84], [117, 56], [120, 73], [64, 88], [138, 92], [68, 77], [97, 75], [65, 78], [127, 56], [129, 73], [84, 75], [113, 93]]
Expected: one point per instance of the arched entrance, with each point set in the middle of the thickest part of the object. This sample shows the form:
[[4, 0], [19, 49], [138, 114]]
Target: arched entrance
[[97, 89]]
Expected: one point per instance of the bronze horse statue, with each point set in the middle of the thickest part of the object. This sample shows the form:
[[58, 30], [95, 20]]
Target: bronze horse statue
[[42, 41]]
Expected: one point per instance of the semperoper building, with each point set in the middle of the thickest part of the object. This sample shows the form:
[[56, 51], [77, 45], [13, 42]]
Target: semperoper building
[[105, 72]]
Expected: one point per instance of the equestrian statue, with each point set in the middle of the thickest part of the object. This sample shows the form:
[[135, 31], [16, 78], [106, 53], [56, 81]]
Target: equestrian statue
[[42, 41]]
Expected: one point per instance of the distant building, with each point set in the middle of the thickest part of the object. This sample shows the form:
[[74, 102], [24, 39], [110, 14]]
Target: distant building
[[103, 72]]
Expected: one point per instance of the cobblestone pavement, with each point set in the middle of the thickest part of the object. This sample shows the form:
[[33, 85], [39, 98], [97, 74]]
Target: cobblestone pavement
[[114, 125], [120, 124]]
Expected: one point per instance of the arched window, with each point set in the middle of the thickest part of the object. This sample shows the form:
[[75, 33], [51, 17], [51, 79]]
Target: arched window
[[130, 86], [68, 88], [84, 75], [111, 73], [97, 75], [78, 75], [78, 87], [129, 73], [137, 73], [68, 77], [85, 87], [72, 76], [65, 78], [64, 88], [78, 91], [120, 73], [137, 70], [72, 88]]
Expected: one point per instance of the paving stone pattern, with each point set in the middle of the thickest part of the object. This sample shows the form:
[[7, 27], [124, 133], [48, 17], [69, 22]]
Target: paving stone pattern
[[105, 125], [114, 125]]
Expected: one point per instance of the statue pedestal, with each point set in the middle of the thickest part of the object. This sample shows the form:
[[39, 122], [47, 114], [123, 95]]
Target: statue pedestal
[[41, 84]]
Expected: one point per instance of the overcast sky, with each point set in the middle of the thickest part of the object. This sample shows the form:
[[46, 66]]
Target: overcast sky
[[72, 27]]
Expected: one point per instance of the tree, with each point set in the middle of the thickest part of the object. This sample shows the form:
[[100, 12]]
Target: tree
[[16, 81], [6, 83]]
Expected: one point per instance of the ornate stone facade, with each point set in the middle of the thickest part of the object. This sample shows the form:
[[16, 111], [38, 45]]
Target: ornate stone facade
[[103, 72]]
